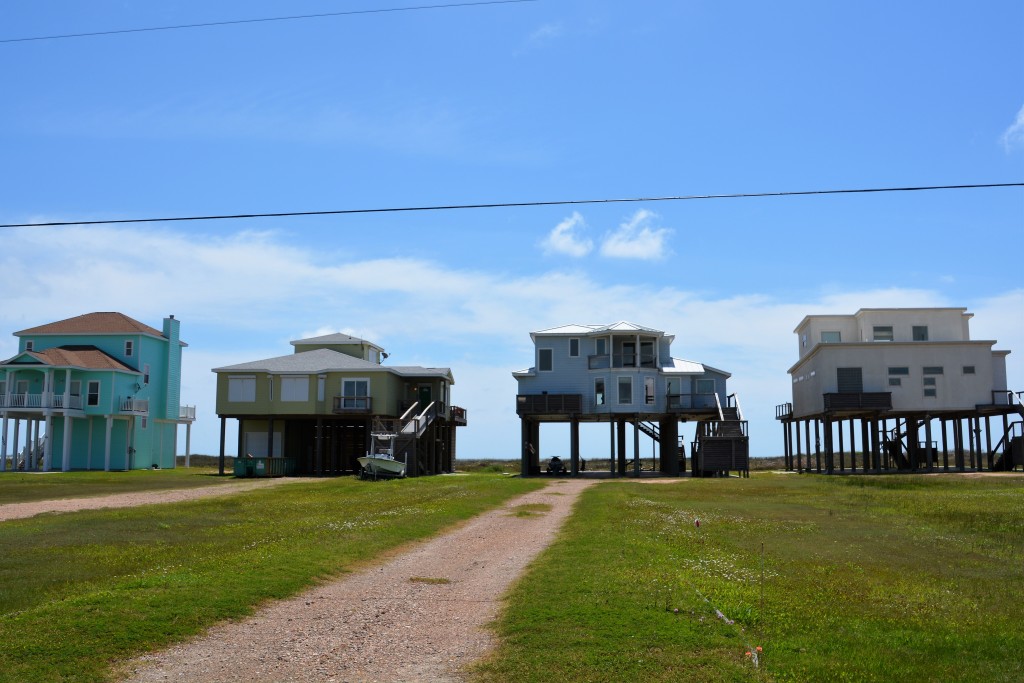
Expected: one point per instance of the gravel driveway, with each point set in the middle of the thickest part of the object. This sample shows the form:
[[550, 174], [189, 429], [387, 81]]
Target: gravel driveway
[[420, 616]]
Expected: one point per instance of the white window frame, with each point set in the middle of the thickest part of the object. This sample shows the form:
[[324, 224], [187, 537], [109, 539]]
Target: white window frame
[[697, 385], [89, 393], [293, 391], [600, 397], [129, 348], [551, 360], [618, 390], [145, 375], [30, 345], [241, 388], [350, 400], [649, 391]]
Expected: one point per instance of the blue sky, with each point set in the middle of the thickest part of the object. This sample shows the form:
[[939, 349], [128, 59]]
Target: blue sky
[[547, 100]]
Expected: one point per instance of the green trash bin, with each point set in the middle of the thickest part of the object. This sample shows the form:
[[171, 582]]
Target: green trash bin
[[244, 467]]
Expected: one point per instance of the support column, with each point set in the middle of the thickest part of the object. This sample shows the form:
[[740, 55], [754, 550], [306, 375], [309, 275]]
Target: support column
[[65, 464], [945, 446], [223, 432], [270, 438], [799, 450], [3, 448], [318, 462], [611, 445], [574, 446], [988, 442], [621, 443], [188, 443], [14, 460], [668, 435], [865, 445], [876, 446], [828, 444], [48, 447], [853, 449], [929, 451], [842, 449], [106, 446], [636, 447]]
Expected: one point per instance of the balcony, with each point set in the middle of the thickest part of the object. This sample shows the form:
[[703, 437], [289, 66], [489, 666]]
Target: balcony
[[620, 360], [458, 416], [678, 402], [353, 404], [187, 413], [549, 404], [859, 401], [783, 411], [39, 402], [134, 406]]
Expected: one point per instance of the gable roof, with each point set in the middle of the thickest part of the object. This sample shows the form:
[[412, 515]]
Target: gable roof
[[326, 360], [83, 357], [94, 323]]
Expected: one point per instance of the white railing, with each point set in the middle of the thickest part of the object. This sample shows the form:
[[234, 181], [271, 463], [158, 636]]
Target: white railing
[[135, 405], [186, 412], [29, 401]]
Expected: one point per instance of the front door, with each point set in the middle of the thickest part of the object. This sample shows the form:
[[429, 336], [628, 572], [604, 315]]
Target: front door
[[423, 395]]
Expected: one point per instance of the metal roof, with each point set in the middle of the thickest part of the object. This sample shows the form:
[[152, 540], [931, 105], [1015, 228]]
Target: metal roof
[[588, 330]]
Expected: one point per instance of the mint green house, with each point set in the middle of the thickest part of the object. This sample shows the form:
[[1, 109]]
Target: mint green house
[[317, 410], [99, 391]]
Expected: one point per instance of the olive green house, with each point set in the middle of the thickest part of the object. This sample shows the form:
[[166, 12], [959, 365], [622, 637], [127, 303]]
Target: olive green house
[[314, 411]]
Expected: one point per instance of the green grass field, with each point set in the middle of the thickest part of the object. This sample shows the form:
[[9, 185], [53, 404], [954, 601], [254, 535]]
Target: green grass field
[[20, 487], [863, 579], [81, 591]]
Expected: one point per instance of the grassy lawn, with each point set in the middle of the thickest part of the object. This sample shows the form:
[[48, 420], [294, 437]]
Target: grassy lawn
[[79, 592], [21, 487], [864, 579]]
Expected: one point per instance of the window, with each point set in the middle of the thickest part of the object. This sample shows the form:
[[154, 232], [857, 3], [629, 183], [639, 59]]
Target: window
[[29, 345], [92, 397], [849, 380], [831, 337], [625, 390], [574, 348], [599, 391], [930, 392], [919, 333], [968, 369], [649, 391], [929, 381], [241, 389], [129, 348], [145, 374], [355, 393], [544, 360], [647, 354], [705, 386], [295, 388], [628, 354], [3, 387], [803, 340], [899, 371], [76, 387], [21, 386], [895, 382], [882, 333], [602, 346], [932, 370], [145, 422]]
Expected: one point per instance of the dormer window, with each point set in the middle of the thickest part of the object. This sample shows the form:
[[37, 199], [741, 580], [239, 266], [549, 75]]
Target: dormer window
[[129, 348], [29, 344]]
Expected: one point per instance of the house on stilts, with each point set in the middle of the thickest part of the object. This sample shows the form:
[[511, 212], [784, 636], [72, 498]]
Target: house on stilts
[[624, 374], [899, 390], [317, 410], [100, 391]]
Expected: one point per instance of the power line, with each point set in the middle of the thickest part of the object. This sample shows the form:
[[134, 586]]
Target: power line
[[500, 205], [266, 19]]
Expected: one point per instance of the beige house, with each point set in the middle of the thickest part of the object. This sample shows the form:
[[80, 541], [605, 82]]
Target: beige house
[[920, 387]]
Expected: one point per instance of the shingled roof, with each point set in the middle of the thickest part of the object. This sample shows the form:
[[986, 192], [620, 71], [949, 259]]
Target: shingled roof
[[94, 323], [84, 357]]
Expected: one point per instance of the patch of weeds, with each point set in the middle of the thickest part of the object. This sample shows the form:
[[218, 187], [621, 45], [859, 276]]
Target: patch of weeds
[[530, 509], [432, 580]]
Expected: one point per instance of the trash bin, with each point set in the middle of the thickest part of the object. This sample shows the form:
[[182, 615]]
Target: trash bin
[[244, 467]]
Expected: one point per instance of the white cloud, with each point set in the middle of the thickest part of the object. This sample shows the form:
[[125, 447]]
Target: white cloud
[[543, 35], [637, 239], [565, 238], [1013, 137]]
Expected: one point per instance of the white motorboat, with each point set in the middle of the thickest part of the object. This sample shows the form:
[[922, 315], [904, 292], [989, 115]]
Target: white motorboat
[[380, 461]]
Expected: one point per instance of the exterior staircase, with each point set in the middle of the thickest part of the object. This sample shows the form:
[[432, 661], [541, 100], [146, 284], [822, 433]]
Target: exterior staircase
[[722, 445]]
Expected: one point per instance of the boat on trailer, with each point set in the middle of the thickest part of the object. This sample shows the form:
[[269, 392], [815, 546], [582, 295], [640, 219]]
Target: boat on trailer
[[379, 462]]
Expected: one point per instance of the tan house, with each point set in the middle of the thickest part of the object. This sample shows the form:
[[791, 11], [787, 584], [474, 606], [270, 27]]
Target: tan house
[[317, 407]]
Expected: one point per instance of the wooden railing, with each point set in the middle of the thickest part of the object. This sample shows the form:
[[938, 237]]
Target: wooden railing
[[783, 410], [877, 400], [692, 401], [353, 404], [539, 404], [458, 416]]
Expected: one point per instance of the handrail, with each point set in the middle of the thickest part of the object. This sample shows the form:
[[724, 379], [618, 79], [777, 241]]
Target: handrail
[[736, 401], [405, 415], [718, 404], [783, 410]]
